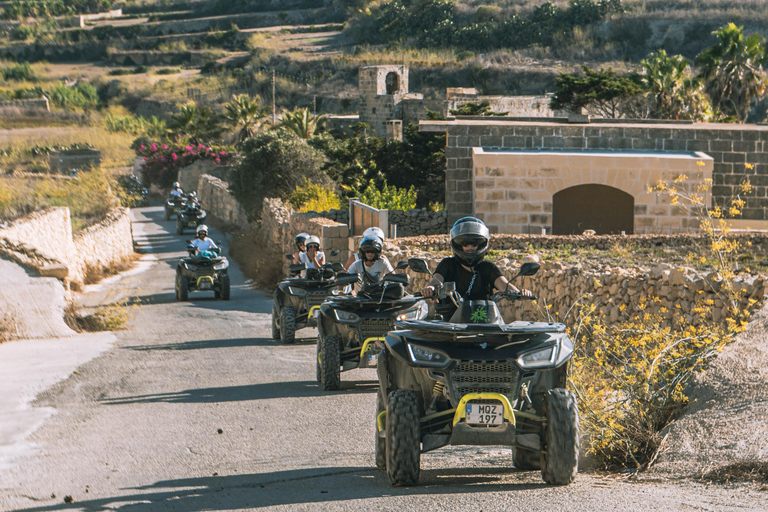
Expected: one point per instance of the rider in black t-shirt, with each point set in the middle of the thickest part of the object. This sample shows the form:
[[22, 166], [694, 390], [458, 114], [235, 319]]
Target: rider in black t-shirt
[[475, 279]]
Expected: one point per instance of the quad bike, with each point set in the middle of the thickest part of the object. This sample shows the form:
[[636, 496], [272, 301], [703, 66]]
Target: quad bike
[[296, 299], [206, 270], [189, 217], [475, 380], [173, 206], [137, 194], [351, 329]]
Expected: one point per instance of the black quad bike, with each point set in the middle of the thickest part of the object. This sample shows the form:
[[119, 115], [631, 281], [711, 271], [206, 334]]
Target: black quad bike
[[199, 271], [351, 329], [297, 299], [173, 205], [189, 217], [475, 380]]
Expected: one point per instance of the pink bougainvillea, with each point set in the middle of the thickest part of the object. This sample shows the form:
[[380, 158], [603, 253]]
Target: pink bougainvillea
[[162, 163]]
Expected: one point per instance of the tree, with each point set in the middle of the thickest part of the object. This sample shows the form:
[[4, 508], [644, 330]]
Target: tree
[[601, 93], [302, 123], [671, 91], [199, 124], [273, 164], [475, 109], [733, 70], [245, 115]]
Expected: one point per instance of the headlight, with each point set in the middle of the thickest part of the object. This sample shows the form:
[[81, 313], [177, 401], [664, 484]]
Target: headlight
[[417, 313], [427, 356], [537, 359], [297, 291], [221, 265], [190, 266], [345, 316]]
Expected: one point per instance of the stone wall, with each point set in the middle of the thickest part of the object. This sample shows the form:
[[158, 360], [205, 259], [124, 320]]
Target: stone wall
[[16, 108], [418, 221], [617, 292], [219, 204], [731, 146], [44, 242], [189, 176], [65, 160]]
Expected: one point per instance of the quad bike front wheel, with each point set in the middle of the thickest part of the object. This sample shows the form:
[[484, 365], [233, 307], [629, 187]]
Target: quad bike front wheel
[[225, 287], [522, 458], [403, 438], [560, 460], [275, 323], [318, 370], [287, 325], [330, 362], [381, 442], [182, 287]]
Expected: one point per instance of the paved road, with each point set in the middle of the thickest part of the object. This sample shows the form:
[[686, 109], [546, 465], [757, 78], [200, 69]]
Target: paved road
[[196, 408]]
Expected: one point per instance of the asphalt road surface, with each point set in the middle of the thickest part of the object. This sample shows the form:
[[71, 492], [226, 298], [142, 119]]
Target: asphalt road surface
[[195, 408]]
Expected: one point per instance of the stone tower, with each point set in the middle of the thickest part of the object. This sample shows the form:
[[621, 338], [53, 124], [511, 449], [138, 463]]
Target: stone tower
[[382, 88]]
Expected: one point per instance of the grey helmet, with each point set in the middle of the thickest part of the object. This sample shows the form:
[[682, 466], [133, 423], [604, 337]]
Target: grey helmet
[[301, 239], [370, 243], [313, 240], [378, 232], [469, 229]]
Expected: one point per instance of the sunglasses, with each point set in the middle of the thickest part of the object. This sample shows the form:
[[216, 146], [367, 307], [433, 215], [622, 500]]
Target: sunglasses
[[313, 246]]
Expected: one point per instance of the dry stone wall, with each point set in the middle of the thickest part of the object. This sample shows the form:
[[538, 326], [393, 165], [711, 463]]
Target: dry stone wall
[[44, 242], [219, 204]]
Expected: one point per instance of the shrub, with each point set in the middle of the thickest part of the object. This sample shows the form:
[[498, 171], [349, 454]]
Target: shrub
[[163, 161], [168, 71], [19, 72], [389, 197], [310, 197]]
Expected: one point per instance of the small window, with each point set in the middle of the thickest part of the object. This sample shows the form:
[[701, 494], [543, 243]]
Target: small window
[[373, 110], [392, 82]]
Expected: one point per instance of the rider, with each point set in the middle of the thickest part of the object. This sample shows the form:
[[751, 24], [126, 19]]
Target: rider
[[300, 242], [313, 258], [176, 190], [371, 263], [475, 278], [202, 242], [374, 231]]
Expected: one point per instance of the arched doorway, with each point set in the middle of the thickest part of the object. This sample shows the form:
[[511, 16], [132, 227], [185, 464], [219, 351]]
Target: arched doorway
[[392, 82], [607, 210]]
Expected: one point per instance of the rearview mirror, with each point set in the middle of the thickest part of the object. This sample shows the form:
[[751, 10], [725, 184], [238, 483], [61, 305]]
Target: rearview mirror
[[335, 252], [529, 269], [403, 264], [397, 278], [337, 266], [418, 265], [289, 257], [344, 279]]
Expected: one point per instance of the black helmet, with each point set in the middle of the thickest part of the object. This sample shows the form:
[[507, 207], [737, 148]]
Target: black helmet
[[300, 239], [370, 243], [469, 229]]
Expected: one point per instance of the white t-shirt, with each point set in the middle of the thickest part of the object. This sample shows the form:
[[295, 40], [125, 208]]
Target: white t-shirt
[[305, 259], [177, 192], [376, 271], [203, 245]]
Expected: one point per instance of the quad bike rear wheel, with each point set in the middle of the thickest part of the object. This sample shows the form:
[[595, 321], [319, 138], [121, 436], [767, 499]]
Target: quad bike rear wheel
[[287, 325], [560, 460], [330, 362], [318, 370], [403, 438], [182, 287], [275, 323], [381, 442]]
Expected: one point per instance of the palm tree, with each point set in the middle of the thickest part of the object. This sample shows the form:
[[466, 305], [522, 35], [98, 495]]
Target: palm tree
[[245, 116], [200, 124], [302, 123], [732, 70], [672, 92]]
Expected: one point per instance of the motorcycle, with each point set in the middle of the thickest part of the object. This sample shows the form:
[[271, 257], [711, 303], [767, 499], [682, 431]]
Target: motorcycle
[[206, 270], [173, 204], [297, 298], [189, 217], [475, 380], [351, 329]]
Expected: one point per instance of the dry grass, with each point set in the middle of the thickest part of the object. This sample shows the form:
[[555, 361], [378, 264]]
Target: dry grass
[[8, 326], [95, 274], [744, 471], [107, 317]]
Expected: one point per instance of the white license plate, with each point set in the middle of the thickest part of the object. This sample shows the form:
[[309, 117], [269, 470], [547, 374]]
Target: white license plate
[[485, 414]]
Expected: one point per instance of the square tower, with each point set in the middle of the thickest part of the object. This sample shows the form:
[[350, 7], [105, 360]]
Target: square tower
[[381, 90]]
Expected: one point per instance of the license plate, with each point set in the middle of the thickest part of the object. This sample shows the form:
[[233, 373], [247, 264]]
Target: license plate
[[485, 414]]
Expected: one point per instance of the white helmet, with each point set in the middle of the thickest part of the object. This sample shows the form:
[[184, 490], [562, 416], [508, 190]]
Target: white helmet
[[312, 240], [176, 185], [202, 228], [375, 232]]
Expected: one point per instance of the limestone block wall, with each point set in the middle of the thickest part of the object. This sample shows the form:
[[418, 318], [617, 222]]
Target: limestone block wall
[[617, 292], [516, 106], [418, 221], [15, 108], [44, 241], [731, 147], [514, 190], [219, 203], [189, 176], [74, 159]]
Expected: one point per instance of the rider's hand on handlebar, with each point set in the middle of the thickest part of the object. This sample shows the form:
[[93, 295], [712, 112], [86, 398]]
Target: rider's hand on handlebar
[[427, 291]]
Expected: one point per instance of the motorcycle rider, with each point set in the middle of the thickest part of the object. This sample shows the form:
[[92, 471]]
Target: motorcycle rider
[[176, 190], [374, 231], [314, 257], [202, 242], [371, 264], [475, 278], [300, 242]]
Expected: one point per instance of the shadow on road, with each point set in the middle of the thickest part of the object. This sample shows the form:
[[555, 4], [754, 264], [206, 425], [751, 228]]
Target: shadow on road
[[263, 391], [294, 487], [207, 344]]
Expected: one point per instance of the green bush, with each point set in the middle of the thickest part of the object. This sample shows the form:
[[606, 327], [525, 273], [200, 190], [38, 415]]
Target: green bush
[[168, 71], [310, 197], [19, 72], [389, 197]]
